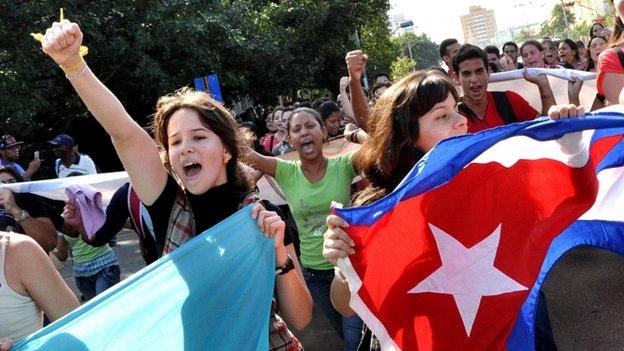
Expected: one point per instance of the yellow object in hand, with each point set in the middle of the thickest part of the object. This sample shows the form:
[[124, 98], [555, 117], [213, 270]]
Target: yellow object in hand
[[39, 37]]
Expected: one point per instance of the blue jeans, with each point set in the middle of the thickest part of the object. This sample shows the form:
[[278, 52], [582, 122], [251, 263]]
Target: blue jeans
[[348, 328], [95, 284]]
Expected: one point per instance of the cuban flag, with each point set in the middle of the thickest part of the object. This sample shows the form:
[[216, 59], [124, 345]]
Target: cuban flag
[[213, 293], [454, 257]]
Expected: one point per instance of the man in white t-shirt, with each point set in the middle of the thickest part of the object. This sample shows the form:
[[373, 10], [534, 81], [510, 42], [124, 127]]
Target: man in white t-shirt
[[70, 161]]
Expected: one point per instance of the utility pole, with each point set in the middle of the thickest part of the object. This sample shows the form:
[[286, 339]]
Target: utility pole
[[565, 16], [409, 49], [358, 44], [408, 24]]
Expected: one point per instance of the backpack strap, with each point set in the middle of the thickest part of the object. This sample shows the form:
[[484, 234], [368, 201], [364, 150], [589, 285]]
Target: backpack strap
[[57, 166], [463, 108], [503, 106], [134, 208]]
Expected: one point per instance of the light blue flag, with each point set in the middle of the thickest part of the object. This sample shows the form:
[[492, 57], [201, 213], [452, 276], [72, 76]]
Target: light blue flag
[[213, 293]]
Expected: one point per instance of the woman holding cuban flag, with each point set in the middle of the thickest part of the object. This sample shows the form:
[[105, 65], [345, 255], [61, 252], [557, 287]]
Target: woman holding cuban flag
[[412, 117]]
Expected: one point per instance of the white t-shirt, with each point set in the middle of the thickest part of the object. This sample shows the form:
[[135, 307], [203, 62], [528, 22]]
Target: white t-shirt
[[83, 165], [19, 314]]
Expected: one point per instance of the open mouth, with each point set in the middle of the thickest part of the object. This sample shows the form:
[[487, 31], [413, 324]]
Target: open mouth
[[475, 89], [192, 170], [307, 146]]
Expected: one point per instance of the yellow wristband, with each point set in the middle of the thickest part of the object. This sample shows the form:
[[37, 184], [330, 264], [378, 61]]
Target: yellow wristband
[[73, 68]]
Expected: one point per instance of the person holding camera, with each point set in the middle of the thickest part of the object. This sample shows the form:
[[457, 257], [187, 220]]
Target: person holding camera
[[9, 154]]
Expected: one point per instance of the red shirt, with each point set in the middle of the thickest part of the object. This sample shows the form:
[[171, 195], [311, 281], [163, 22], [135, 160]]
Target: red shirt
[[521, 108], [608, 62]]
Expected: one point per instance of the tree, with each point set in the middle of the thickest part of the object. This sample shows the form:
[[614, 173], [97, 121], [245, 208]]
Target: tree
[[556, 27], [524, 34], [580, 31], [379, 46], [425, 52], [147, 48], [401, 67]]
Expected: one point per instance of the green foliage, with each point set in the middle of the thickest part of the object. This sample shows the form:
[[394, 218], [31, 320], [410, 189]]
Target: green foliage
[[609, 20], [401, 67], [376, 42], [144, 49], [556, 26], [580, 31], [425, 52], [524, 34]]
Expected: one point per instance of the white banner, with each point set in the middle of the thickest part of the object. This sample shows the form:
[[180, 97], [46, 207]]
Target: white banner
[[558, 79]]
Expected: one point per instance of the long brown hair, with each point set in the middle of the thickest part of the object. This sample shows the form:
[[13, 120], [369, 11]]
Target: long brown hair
[[390, 151], [617, 38], [212, 115]]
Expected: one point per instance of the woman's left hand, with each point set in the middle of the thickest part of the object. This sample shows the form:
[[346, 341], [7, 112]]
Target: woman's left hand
[[565, 111], [270, 223]]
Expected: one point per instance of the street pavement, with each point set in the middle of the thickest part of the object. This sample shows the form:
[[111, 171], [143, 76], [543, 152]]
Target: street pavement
[[585, 295]]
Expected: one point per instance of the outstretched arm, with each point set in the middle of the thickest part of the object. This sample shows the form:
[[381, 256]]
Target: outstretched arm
[[546, 94], [265, 164], [356, 63], [40, 229], [135, 148]]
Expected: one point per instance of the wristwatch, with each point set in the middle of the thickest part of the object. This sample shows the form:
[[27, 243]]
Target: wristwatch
[[24, 216], [287, 267]]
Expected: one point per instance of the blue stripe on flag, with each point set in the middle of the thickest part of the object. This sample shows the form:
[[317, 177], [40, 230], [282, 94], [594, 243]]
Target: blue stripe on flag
[[212, 293], [452, 155], [606, 235]]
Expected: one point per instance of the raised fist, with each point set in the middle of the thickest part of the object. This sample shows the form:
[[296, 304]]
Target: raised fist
[[356, 63], [62, 43]]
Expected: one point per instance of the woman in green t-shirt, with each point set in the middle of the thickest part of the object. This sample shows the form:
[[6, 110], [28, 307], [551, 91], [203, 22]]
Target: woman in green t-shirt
[[310, 185]]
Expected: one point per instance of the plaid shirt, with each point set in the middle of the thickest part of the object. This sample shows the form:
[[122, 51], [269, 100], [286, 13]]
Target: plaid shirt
[[182, 220], [280, 338], [181, 224]]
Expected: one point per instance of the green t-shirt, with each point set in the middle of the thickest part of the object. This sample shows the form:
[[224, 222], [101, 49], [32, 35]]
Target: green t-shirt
[[83, 252], [309, 202]]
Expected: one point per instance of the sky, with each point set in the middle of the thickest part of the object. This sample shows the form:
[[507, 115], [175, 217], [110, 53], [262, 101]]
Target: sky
[[440, 19]]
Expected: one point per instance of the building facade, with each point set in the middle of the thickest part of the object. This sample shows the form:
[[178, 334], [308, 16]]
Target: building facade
[[479, 26], [588, 10]]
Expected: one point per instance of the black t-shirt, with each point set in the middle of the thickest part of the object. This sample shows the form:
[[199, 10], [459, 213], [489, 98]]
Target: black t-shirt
[[117, 213], [209, 208], [31, 203]]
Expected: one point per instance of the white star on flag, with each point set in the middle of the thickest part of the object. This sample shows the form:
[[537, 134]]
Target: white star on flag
[[467, 273]]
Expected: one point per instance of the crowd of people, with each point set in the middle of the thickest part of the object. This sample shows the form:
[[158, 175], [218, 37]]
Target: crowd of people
[[202, 165]]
